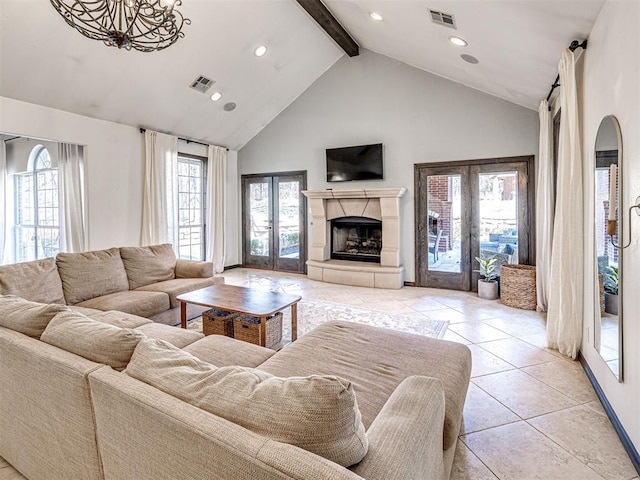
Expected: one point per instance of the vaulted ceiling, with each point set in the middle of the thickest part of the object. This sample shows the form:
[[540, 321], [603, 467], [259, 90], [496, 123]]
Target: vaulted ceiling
[[44, 61]]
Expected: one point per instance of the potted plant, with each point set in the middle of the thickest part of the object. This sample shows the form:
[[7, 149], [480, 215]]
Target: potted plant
[[611, 290], [487, 285]]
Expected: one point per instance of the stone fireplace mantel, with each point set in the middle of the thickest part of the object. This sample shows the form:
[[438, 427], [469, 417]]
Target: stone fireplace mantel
[[378, 203]]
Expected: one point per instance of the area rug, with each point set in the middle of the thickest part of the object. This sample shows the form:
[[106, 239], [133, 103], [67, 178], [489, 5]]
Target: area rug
[[312, 313]]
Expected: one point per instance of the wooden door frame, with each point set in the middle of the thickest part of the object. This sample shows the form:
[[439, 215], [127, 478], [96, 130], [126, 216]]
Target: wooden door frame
[[421, 201], [303, 212]]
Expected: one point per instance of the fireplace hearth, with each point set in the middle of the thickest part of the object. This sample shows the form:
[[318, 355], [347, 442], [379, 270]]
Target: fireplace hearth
[[356, 238]]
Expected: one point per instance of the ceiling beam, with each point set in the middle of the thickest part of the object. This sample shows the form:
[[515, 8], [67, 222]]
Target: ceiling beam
[[328, 22]]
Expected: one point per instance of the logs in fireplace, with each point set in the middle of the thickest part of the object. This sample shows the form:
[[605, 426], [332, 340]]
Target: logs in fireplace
[[356, 239]]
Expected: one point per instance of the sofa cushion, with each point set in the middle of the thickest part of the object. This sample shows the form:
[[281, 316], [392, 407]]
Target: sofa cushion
[[224, 351], [176, 336], [376, 361], [177, 286], [119, 319], [92, 339], [318, 413], [89, 275], [143, 304], [29, 318], [37, 281], [145, 265]]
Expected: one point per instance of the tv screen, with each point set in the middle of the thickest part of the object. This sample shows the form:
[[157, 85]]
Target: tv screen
[[363, 162]]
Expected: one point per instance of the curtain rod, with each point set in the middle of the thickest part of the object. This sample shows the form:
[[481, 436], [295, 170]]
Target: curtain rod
[[573, 47], [142, 130]]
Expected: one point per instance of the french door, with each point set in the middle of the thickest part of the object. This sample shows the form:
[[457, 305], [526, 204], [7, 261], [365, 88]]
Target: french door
[[274, 221], [471, 209]]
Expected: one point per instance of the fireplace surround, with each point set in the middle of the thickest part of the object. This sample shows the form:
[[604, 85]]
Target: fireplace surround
[[380, 205]]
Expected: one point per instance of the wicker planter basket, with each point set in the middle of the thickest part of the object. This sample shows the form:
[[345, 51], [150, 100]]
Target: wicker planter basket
[[247, 329], [518, 286]]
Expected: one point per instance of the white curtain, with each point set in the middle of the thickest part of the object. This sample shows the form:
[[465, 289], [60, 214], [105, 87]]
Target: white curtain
[[71, 186], [4, 199], [564, 318], [544, 208], [160, 197], [216, 206]]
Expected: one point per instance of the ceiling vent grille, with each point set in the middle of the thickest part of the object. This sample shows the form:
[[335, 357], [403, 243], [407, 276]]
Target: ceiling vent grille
[[202, 84], [444, 19]]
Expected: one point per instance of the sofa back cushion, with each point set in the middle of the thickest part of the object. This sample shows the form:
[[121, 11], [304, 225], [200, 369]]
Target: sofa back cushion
[[37, 281], [317, 413], [92, 339], [89, 275], [146, 265], [28, 318]]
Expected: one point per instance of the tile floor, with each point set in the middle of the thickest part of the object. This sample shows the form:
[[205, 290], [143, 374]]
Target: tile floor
[[530, 413]]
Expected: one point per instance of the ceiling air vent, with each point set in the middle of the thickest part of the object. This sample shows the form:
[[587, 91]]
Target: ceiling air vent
[[444, 19], [202, 84]]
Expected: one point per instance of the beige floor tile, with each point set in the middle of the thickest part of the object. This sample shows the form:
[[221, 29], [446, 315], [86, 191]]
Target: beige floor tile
[[566, 376], [466, 466], [590, 438], [519, 452], [482, 411], [477, 332], [447, 315], [518, 326], [454, 337], [10, 473], [540, 340], [3, 463], [523, 394], [485, 363], [596, 406], [518, 353]]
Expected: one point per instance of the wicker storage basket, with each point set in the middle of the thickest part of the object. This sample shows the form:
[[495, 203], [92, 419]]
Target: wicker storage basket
[[518, 286], [218, 322], [248, 328]]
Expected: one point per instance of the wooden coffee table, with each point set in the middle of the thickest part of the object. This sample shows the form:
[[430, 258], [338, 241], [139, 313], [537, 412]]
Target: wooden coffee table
[[249, 301]]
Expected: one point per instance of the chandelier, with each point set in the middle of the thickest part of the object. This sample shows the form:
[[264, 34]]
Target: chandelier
[[144, 25]]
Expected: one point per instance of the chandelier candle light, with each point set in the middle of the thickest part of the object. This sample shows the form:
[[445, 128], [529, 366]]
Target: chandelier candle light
[[144, 25]]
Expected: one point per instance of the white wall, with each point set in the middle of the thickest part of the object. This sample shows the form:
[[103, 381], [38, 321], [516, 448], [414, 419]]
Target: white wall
[[114, 169], [418, 116], [611, 86]]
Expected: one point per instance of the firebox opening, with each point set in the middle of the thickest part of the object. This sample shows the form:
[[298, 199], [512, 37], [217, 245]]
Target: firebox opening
[[356, 238]]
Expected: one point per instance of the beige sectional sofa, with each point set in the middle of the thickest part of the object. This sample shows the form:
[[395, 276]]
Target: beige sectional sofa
[[142, 281], [192, 407]]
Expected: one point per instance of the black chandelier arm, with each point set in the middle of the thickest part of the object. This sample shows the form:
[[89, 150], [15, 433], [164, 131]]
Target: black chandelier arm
[[144, 25]]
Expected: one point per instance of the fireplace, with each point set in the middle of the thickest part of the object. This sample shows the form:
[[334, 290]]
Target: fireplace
[[377, 240], [356, 238]]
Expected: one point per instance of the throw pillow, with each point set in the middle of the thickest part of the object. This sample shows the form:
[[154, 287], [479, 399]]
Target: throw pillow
[[29, 318], [147, 265], [92, 339], [317, 413]]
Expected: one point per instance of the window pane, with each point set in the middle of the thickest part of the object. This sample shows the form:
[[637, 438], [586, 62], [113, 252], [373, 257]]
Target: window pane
[[289, 219], [445, 223], [190, 208]]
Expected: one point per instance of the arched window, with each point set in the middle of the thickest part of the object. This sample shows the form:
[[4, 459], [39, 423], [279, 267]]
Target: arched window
[[37, 219]]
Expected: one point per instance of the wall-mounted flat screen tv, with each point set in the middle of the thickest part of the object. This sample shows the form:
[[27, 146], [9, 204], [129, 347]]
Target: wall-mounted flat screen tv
[[363, 162]]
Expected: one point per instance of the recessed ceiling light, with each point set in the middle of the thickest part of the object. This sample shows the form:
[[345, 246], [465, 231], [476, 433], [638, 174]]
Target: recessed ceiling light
[[216, 96], [469, 59], [260, 51], [376, 16], [460, 42]]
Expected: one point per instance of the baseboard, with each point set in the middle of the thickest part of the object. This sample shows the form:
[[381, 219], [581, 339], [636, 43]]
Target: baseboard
[[617, 426], [231, 267]]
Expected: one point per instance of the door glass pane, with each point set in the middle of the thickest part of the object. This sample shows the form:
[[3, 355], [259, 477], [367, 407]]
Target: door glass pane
[[289, 219], [498, 228], [260, 225], [444, 222]]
